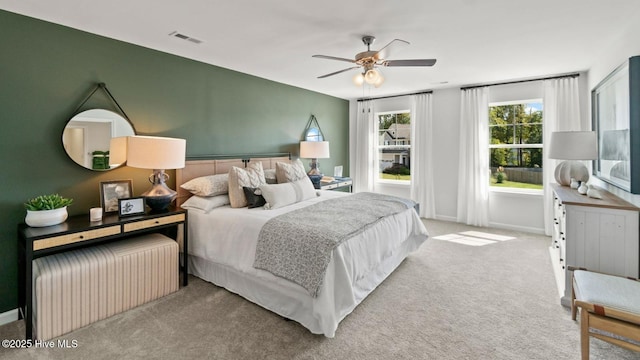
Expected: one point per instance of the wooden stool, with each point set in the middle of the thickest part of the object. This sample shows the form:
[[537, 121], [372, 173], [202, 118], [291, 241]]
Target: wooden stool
[[608, 303]]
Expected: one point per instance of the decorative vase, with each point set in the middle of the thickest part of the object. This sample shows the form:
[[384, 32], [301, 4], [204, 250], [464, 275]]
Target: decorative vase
[[575, 183], [593, 193], [42, 218], [583, 188]]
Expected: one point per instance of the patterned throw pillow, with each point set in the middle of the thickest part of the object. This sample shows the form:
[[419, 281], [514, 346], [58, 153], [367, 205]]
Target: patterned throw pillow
[[251, 176], [290, 172], [211, 185]]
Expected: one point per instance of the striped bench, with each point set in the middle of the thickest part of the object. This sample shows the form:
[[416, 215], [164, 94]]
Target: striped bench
[[76, 288], [608, 304]]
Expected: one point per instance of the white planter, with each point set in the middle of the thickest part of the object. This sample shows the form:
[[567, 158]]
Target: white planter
[[43, 218]]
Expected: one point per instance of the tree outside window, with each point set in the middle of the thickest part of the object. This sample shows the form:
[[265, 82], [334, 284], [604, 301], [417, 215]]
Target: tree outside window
[[515, 131]]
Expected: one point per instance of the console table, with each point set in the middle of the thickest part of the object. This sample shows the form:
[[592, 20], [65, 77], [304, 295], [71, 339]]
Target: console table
[[78, 231], [338, 183]]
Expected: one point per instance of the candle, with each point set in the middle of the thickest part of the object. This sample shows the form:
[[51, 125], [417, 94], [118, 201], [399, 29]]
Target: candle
[[95, 214]]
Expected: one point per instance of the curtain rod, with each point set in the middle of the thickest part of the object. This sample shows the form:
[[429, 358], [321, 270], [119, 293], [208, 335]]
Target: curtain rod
[[392, 96], [521, 81]]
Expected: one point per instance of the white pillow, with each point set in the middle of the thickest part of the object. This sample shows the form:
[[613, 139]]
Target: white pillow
[[252, 176], [290, 172], [210, 185], [205, 203], [279, 195]]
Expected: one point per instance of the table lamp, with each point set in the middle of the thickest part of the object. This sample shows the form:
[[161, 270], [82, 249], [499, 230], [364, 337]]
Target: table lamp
[[314, 150], [117, 151], [572, 146], [159, 154]]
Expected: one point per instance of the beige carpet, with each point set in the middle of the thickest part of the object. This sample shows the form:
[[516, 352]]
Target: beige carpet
[[446, 301]]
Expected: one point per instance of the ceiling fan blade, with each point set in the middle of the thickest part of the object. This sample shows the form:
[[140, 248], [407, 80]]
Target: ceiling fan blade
[[416, 62], [394, 45], [333, 58], [338, 72]]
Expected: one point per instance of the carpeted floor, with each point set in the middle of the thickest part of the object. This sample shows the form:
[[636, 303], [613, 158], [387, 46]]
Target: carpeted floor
[[446, 301]]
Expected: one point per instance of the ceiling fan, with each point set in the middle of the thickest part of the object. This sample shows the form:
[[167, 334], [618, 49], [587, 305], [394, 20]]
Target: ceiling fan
[[369, 60]]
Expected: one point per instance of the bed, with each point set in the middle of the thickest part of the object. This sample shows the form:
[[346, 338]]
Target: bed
[[224, 248]]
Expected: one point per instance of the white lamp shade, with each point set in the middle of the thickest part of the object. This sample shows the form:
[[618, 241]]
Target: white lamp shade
[[152, 152], [573, 145], [118, 150], [314, 149]]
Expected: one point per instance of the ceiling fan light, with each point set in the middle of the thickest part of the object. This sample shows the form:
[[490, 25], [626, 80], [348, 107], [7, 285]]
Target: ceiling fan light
[[379, 81], [358, 79], [371, 76]]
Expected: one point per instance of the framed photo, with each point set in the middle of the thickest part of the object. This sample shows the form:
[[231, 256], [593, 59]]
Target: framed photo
[[616, 120], [131, 206], [337, 171], [112, 191]]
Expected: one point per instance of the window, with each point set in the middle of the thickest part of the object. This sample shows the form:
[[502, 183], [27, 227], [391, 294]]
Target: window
[[394, 145], [515, 145]]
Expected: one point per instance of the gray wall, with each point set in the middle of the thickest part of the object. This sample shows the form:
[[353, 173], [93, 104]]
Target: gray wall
[[46, 70]]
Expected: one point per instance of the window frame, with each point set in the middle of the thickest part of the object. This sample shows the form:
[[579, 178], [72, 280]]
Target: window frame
[[516, 146], [378, 179]]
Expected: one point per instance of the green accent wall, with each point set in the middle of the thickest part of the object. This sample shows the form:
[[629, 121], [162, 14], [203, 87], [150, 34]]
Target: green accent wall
[[47, 70]]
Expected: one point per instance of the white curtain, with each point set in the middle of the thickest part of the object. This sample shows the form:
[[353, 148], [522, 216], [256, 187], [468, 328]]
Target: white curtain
[[366, 154], [421, 154], [561, 113], [473, 172]]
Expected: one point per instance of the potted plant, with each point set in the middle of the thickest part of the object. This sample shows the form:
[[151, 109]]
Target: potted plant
[[501, 176], [47, 210]]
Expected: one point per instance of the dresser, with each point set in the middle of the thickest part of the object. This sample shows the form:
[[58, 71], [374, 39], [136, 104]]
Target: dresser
[[598, 234]]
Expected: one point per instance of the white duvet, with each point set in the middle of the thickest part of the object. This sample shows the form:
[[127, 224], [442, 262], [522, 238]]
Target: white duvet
[[222, 247]]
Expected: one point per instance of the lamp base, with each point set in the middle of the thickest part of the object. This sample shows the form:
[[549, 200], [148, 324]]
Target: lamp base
[[159, 197], [567, 170], [315, 168]]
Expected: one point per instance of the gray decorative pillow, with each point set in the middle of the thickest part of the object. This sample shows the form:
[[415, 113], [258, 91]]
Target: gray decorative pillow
[[254, 197], [210, 185], [290, 172], [251, 176], [279, 195], [270, 176]]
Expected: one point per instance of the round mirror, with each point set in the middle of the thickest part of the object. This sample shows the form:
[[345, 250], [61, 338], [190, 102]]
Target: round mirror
[[87, 137], [313, 134]]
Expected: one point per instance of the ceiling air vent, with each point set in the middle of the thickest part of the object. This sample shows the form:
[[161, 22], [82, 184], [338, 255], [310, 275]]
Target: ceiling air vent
[[185, 37]]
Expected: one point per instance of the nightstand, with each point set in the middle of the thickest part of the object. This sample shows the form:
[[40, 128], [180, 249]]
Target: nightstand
[[338, 183], [78, 231]]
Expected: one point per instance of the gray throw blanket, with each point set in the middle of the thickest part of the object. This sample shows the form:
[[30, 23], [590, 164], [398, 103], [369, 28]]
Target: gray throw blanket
[[298, 245]]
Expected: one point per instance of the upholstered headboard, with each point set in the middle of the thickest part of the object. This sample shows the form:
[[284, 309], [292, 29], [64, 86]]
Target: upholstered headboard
[[212, 165]]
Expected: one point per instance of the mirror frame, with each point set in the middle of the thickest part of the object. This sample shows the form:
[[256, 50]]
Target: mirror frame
[[312, 131]]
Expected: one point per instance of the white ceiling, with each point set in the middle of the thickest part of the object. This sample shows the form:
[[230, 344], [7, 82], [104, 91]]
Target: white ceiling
[[475, 41]]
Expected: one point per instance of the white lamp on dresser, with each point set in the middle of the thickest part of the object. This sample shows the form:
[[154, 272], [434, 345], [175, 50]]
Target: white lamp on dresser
[[571, 146]]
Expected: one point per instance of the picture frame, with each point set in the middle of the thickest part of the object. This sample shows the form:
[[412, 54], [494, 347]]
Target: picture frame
[[113, 190], [131, 206], [616, 121], [337, 171]]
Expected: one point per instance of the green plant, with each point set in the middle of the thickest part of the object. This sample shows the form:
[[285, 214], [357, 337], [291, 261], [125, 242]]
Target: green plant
[[500, 175], [47, 202]]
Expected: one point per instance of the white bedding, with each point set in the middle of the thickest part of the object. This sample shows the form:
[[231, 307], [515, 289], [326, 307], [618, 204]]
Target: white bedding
[[222, 250]]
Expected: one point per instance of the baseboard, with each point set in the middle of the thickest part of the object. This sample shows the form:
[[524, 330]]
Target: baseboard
[[498, 225], [517, 228], [8, 316], [446, 218]]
